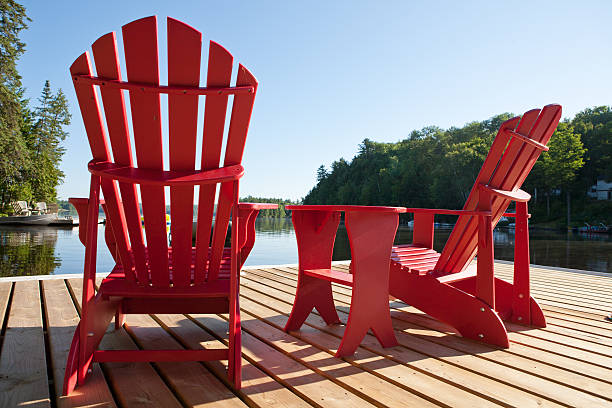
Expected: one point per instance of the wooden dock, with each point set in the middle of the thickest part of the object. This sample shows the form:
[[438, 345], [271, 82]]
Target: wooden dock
[[569, 363]]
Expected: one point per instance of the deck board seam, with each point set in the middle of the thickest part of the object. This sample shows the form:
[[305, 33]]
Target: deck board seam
[[223, 379], [425, 354], [45, 325], [373, 372], [564, 384], [156, 367], [259, 366], [5, 318], [313, 368], [493, 361]]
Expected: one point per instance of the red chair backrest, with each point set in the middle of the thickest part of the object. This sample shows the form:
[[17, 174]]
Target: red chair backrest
[[149, 264], [506, 167]]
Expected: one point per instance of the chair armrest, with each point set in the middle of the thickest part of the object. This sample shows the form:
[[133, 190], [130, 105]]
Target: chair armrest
[[82, 207], [446, 212], [246, 230], [257, 206], [518, 195], [513, 215]]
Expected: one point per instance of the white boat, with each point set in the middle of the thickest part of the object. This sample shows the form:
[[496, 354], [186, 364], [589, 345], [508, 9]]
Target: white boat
[[38, 219]]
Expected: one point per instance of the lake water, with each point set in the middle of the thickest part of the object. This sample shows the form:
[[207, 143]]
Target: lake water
[[49, 250]]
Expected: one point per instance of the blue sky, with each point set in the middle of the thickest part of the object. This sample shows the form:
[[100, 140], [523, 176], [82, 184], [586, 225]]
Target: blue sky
[[333, 73]]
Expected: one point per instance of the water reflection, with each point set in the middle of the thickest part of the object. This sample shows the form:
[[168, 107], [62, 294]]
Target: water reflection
[[47, 250], [591, 252], [28, 251]]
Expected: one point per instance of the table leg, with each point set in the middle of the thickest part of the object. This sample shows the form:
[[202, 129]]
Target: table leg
[[315, 232], [371, 236]]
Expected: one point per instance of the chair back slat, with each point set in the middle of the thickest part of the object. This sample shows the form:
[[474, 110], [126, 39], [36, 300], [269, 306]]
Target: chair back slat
[[219, 74], [184, 55], [236, 138], [106, 58], [509, 173], [92, 119], [467, 245], [141, 57], [146, 257]]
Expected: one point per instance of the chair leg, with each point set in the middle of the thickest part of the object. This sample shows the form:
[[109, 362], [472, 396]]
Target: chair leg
[[365, 315], [312, 293], [507, 299], [72, 363], [94, 323], [234, 363], [453, 305], [119, 319]]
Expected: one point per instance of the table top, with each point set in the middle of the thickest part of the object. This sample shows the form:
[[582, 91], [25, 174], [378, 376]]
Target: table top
[[346, 208]]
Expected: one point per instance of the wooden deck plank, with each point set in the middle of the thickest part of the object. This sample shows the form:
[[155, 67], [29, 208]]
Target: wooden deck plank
[[602, 327], [133, 384], [443, 338], [438, 332], [589, 295], [561, 274], [193, 383], [596, 354], [568, 363], [517, 378], [62, 319], [351, 377], [343, 294], [258, 389], [5, 292], [23, 366], [585, 294], [402, 367], [559, 285], [310, 385]]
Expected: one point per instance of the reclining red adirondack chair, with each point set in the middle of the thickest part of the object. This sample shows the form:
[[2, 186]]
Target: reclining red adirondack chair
[[150, 276], [445, 285]]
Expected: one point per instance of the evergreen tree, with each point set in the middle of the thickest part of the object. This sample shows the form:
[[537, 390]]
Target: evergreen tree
[[14, 160], [44, 143]]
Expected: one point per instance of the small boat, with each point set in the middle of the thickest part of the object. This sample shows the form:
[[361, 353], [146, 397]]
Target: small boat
[[41, 214], [599, 229], [37, 219]]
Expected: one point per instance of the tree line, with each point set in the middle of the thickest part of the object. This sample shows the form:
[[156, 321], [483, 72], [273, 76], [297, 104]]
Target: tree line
[[436, 167], [280, 212], [30, 135]]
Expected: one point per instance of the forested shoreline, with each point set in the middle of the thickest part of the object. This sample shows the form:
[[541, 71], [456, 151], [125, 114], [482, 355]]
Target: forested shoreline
[[436, 168], [30, 133]]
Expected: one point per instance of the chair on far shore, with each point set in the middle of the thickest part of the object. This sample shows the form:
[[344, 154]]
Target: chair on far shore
[[21, 208], [446, 285], [41, 208], [151, 276]]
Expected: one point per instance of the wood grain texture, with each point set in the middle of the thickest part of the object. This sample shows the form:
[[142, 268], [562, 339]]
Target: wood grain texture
[[191, 381], [62, 319], [564, 364], [23, 368], [134, 384]]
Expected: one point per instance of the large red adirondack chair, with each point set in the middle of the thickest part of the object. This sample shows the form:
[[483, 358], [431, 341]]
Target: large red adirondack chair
[[446, 285], [150, 276]]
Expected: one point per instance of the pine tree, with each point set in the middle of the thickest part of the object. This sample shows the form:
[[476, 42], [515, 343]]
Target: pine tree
[[44, 143], [14, 158]]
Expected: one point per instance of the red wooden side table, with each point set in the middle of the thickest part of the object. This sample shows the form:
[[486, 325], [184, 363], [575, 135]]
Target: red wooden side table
[[371, 231]]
